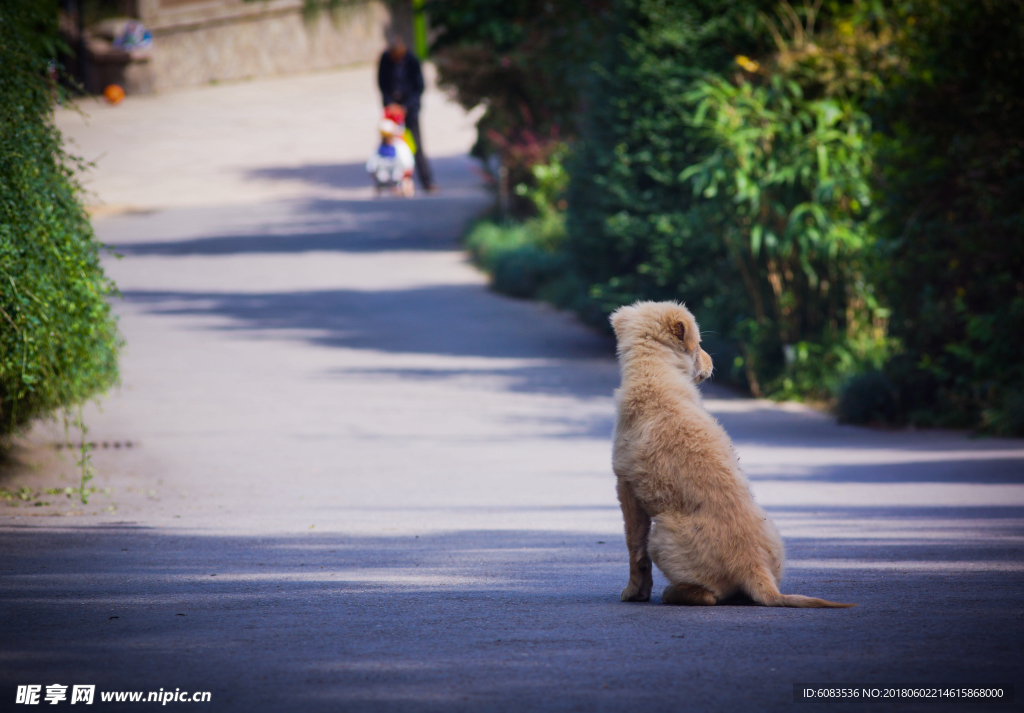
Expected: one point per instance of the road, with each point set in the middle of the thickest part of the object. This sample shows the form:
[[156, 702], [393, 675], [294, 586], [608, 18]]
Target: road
[[342, 475]]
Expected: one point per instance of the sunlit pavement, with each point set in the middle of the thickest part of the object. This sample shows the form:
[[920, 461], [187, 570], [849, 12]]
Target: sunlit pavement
[[358, 480]]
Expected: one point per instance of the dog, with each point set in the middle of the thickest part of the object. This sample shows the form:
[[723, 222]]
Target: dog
[[686, 504]]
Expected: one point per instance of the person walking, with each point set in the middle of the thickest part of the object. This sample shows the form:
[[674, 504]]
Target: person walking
[[400, 79]]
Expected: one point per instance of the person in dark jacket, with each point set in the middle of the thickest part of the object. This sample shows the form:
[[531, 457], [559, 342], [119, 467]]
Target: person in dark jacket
[[400, 79]]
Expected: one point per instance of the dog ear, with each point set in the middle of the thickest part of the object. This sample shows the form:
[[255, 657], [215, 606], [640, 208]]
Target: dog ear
[[678, 329], [686, 334]]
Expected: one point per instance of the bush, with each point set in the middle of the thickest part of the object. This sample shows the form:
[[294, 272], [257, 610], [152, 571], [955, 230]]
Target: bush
[[628, 226], [788, 201], [951, 187], [732, 185], [526, 271], [522, 60], [833, 188], [1009, 418], [58, 340], [523, 259], [869, 397]]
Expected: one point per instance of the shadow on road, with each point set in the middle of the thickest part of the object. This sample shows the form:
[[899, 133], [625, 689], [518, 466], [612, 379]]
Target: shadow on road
[[452, 320], [995, 469], [460, 321], [450, 172], [353, 221], [323, 225], [464, 618]]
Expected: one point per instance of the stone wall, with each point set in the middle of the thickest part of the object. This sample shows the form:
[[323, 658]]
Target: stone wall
[[201, 41]]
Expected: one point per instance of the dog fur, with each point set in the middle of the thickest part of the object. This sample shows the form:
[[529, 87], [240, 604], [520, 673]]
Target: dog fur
[[677, 471]]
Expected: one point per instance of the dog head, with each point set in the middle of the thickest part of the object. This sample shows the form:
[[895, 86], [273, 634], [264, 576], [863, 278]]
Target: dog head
[[664, 324]]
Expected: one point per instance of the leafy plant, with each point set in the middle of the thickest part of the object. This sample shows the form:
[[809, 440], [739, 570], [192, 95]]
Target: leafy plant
[[58, 340], [951, 189], [523, 60], [522, 258], [636, 229], [836, 189], [790, 179], [741, 186]]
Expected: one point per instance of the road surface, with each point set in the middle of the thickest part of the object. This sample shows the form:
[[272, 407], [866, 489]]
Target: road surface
[[342, 475]]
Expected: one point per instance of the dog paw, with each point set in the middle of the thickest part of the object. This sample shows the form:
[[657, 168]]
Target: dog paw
[[633, 593], [688, 594]]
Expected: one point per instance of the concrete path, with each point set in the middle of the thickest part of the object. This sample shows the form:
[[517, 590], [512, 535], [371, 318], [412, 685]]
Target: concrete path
[[342, 475]]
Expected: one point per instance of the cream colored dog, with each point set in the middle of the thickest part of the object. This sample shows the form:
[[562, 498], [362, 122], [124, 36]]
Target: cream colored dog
[[676, 467]]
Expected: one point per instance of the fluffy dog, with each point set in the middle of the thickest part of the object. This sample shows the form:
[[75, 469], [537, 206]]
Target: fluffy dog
[[676, 467]]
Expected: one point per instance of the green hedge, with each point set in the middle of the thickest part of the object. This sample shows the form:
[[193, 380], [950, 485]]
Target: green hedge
[[637, 230], [523, 60], [835, 189], [58, 340], [840, 194], [951, 186]]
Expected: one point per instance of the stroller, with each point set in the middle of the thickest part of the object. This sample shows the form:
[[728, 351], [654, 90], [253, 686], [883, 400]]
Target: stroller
[[391, 166]]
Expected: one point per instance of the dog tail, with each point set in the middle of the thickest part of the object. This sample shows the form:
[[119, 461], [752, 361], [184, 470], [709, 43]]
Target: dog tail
[[764, 591]]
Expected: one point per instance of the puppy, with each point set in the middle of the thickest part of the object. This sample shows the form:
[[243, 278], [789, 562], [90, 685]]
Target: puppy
[[676, 467]]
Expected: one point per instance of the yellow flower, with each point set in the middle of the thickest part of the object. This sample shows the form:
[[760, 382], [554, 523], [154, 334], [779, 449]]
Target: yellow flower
[[747, 63]]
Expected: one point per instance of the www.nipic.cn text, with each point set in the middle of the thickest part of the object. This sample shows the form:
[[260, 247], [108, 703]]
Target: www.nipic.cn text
[[59, 693]]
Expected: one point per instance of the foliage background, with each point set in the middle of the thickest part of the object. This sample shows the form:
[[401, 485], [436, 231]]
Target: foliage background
[[58, 340], [526, 60], [834, 188], [951, 185]]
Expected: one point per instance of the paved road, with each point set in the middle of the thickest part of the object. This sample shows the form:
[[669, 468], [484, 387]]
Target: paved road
[[358, 480]]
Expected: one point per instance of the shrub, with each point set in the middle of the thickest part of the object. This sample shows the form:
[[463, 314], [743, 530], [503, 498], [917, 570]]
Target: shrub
[[789, 199], [868, 397], [523, 259], [523, 60], [739, 187], [834, 189], [951, 187], [528, 258], [58, 340], [1009, 418], [633, 230]]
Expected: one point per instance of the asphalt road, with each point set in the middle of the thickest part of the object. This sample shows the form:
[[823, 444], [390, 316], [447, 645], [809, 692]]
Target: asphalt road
[[340, 474]]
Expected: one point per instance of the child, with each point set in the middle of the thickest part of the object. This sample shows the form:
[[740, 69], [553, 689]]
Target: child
[[396, 112], [392, 164]]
